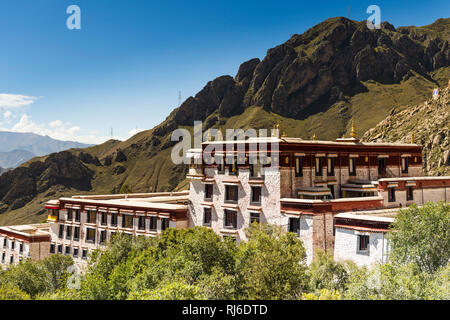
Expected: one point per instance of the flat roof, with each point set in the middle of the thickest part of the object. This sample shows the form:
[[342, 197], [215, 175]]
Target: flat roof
[[39, 229]]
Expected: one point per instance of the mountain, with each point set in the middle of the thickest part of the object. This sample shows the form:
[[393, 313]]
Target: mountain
[[430, 123], [314, 83], [15, 158], [2, 170], [36, 144]]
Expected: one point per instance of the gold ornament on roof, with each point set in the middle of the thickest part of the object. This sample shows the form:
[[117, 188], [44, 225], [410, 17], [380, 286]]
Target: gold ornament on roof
[[413, 138], [353, 133], [314, 137], [278, 127]]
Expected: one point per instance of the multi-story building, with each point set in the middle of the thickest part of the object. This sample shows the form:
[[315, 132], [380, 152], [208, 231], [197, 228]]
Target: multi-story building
[[83, 223], [18, 243], [339, 196], [304, 185]]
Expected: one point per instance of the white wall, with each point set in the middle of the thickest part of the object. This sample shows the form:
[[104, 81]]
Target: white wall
[[346, 247]]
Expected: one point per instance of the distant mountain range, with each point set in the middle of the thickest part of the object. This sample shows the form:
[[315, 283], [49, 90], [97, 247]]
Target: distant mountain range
[[17, 148]]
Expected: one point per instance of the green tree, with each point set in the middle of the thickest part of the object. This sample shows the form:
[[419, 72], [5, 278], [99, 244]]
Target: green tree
[[8, 292], [422, 236], [325, 273], [271, 264], [177, 290]]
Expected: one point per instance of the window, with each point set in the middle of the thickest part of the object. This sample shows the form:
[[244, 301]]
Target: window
[[232, 167], [102, 236], [164, 224], [5, 243], [409, 193], [75, 252], [52, 248], [294, 226], [381, 165], [3, 257], [11, 259], [61, 231], [404, 165], [90, 235], [68, 232], [112, 234], [67, 251], [91, 217], [77, 215], [84, 254], [69, 214], [76, 234], [153, 223], [256, 195], [13, 245], [60, 248], [363, 243], [330, 167], [256, 170], [319, 166], [352, 166], [114, 219], [254, 217], [299, 166], [208, 191], [207, 216], [127, 221], [141, 223], [331, 187], [230, 220], [231, 193], [391, 193], [220, 165], [104, 219]]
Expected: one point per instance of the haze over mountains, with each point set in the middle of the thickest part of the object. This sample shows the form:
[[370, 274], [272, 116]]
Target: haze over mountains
[[318, 82], [17, 148]]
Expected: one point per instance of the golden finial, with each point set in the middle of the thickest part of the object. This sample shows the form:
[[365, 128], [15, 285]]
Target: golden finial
[[353, 133], [208, 136], [220, 135], [314, 137], [284, 134], [413, 138], [279, 130]]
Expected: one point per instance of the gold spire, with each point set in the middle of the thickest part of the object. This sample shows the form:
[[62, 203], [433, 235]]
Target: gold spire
[[353, 133], [284, 134], [278, 127], [413, 138], [208, 136], [220, 135], [314, 137]]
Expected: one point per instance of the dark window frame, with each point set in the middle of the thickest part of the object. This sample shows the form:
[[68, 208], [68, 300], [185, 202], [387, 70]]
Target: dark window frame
[[164, 223], [207, 216], [68, 233], [228, 192], [330, 173], [318, 171], [352, 167], [298, 166], [363, 243], [88, 238], [103, 218], [405, 164], [209, 191], [252, 195], [294, 226], [76, 233], [382, 165], [409, 193], [254, 217], [153, 222], [230, 219], [391, 194]]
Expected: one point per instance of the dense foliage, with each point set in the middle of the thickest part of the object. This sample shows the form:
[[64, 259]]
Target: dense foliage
[[197, 263]]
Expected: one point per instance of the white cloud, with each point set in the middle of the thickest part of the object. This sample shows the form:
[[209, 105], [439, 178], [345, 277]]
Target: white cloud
[[7, 114], [8, 100], [135, 131], [57, 130]]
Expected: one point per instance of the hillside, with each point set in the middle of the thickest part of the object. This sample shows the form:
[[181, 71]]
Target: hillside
[[2, 170], [430, 122], [314, 83]]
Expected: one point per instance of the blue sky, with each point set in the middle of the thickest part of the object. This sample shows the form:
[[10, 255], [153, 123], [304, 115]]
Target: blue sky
[[126, 65]]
